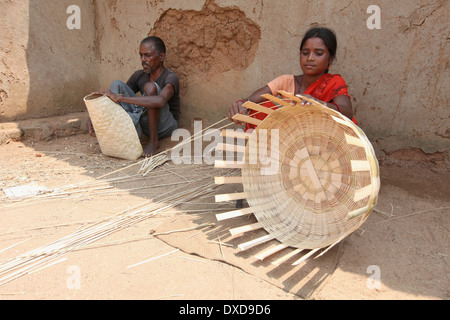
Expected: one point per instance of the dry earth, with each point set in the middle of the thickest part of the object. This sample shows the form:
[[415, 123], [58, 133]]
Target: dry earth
[[407, 238]]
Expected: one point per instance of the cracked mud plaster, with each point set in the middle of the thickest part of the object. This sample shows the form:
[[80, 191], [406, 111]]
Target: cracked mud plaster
[[207, 42], [3, 95], [420, 15]]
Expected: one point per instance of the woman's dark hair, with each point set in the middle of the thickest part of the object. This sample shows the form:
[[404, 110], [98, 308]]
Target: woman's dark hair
[[328, 37], [157, 42]]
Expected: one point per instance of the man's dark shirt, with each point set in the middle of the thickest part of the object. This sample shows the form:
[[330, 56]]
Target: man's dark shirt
[[140, 78]]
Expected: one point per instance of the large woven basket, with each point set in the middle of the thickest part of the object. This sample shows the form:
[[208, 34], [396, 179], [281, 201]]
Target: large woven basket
[[115, 131], [309, 174], [325, 182]]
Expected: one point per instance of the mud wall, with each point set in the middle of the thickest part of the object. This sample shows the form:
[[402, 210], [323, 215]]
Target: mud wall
[[45, 67], [14, 76], [398, 72]]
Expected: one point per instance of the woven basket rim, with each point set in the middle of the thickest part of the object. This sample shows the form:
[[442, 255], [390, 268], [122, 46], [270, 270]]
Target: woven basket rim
[[93, 96]]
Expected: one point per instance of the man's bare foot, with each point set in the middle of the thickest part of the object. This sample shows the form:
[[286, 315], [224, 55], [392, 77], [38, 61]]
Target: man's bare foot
[[150, 150], [90, 128]]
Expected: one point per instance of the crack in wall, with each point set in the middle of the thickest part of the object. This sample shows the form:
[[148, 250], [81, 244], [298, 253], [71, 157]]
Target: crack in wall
[[416, 18]]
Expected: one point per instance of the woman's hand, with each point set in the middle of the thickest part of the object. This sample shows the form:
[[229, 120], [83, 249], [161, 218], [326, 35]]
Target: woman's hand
[[256, 97], [237, 108], [307, 103], [341, 104]]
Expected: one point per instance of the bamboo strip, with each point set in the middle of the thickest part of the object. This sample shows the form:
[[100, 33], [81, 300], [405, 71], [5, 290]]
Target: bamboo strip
[[257, 107], [286, 257], [294, 98], [220, 246], [267, 253], [312, 101], [329, 248], [247, 119], [234, 214], [235, 134], [276, 100], [184, 230], [221, 164], [191, 259], [151, 163], [191, 236], [305, 257], [15, 245], [312, 174], [227, 180], [230, 196], [357, 212], [253, 243], [354, 141], [29, 267], [230, 147], [223, 244], [247, 228], [358, 165], [342, 121], [152, 259], [112, 243], [363, 193], [413, 214], [49, 265]]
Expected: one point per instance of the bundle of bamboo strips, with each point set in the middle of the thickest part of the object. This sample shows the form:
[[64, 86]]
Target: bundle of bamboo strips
[[153, 162], [47, 255], [38, 258]]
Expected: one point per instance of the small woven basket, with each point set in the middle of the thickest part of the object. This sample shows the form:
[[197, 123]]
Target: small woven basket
[[115, 131], [325, 181]]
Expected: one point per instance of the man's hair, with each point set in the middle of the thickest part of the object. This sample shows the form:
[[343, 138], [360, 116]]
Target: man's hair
[[157, 42]]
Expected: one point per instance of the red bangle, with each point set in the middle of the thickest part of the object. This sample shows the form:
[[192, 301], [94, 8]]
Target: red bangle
[[242, 100]]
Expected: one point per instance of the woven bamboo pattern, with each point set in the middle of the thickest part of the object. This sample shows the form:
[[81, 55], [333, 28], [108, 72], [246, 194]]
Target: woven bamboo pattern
[[309, 175], [326, 181], [115, 131]]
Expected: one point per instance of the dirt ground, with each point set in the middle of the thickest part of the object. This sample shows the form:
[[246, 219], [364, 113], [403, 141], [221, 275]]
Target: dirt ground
[[407, 238]]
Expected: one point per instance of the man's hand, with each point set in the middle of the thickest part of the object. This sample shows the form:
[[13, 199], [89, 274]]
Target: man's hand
[[113, 96]]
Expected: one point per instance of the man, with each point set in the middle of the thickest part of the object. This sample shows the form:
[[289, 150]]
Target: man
[[156, 112]]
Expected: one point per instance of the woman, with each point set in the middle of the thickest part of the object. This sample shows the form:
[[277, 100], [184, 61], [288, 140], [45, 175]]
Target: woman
[[317, 53]]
